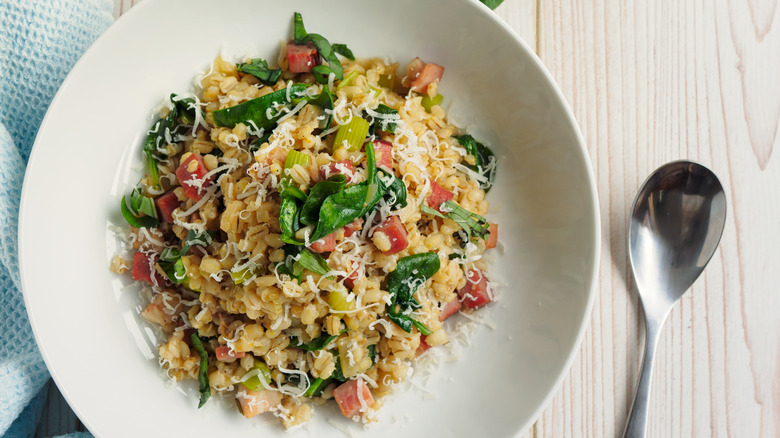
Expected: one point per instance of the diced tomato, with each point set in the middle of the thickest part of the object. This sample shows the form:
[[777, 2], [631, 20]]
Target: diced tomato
[[355, 226], [431, 72], [492, 240], [476, 293], [423, 347], [166, 203], [192, 177], [226, 354], [326, 244], [143, 269], [438, 196], [343, 167], [352, 396], [396, 234], [413, 69], [450, 309], [257, 402], [302, 58], [383, 151]]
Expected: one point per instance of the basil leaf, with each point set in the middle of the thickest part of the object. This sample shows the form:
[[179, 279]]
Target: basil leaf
[[410, 273], [174, 270], [484, 160], [203, 372], [256, 110], [492, 4], [310, 211], [258, 68], [425, 209]]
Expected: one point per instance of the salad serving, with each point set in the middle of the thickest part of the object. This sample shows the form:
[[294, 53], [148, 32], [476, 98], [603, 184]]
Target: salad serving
[[303, 231]]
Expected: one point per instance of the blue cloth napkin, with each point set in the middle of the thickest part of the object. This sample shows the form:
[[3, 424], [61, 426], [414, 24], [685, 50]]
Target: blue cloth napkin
[[40, 41]]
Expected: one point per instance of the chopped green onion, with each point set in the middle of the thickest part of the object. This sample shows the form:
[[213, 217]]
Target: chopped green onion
[[352, 135], [253, 383], [347, 80], [473, 224], [203, 370], [428, 102]]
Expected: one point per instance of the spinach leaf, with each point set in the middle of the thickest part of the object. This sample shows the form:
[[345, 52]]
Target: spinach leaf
[[394, 192], [410, 273], [203, 371], [170, 259], [325, 50], [257, 110], [325, 101], [344, 51], [313, 262], [341, 208], [317, 386], [289, 217], [484, 160], [258, 68], [387, 120], [492, 4], [141, 211], [310, 211], [338, 373], [473, 224], [165, 131], [317, 344]]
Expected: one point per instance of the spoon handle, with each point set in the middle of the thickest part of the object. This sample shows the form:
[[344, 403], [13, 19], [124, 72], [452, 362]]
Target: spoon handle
[[637, 420]]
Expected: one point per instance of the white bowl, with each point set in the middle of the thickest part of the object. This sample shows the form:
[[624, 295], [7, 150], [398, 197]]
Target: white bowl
[[85, 158]]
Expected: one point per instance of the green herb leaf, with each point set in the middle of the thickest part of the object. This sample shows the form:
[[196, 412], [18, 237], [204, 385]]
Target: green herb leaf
[[410, 273], [484, 160], [313, 262], [395, 192], [258, 68], [289, 217], [387, 120], [473, 224], [324, 49], [256, 110], [492, 4], [310, 211], [165, 130], [203, 371], [317, 344], [317, 386], [141, 211]]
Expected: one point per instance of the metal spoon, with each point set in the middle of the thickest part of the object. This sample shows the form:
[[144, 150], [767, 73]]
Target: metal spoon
[[675, 227]]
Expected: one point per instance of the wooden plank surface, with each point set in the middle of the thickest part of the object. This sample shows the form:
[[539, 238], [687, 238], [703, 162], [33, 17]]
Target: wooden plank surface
[[650, 82]]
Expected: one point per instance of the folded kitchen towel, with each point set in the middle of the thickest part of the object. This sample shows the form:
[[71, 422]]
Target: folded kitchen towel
[[40, 41]]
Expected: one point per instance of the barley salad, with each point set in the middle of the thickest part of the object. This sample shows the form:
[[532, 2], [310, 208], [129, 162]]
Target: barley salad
[[303, 232]]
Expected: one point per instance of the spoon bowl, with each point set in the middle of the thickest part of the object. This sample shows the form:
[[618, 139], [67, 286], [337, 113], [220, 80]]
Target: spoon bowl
[[675, 226]]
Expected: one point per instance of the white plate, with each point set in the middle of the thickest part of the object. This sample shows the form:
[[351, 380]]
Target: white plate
[[86, 324]]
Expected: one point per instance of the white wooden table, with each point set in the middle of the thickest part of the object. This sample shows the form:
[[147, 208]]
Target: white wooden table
[[650, 82]]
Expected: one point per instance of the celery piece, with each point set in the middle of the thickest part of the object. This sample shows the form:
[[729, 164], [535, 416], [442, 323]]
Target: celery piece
[[338, 300], [294, 157], [241, 276], [253, 383], [387, 80], [353, 133], [428, 102], [347, 80]]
